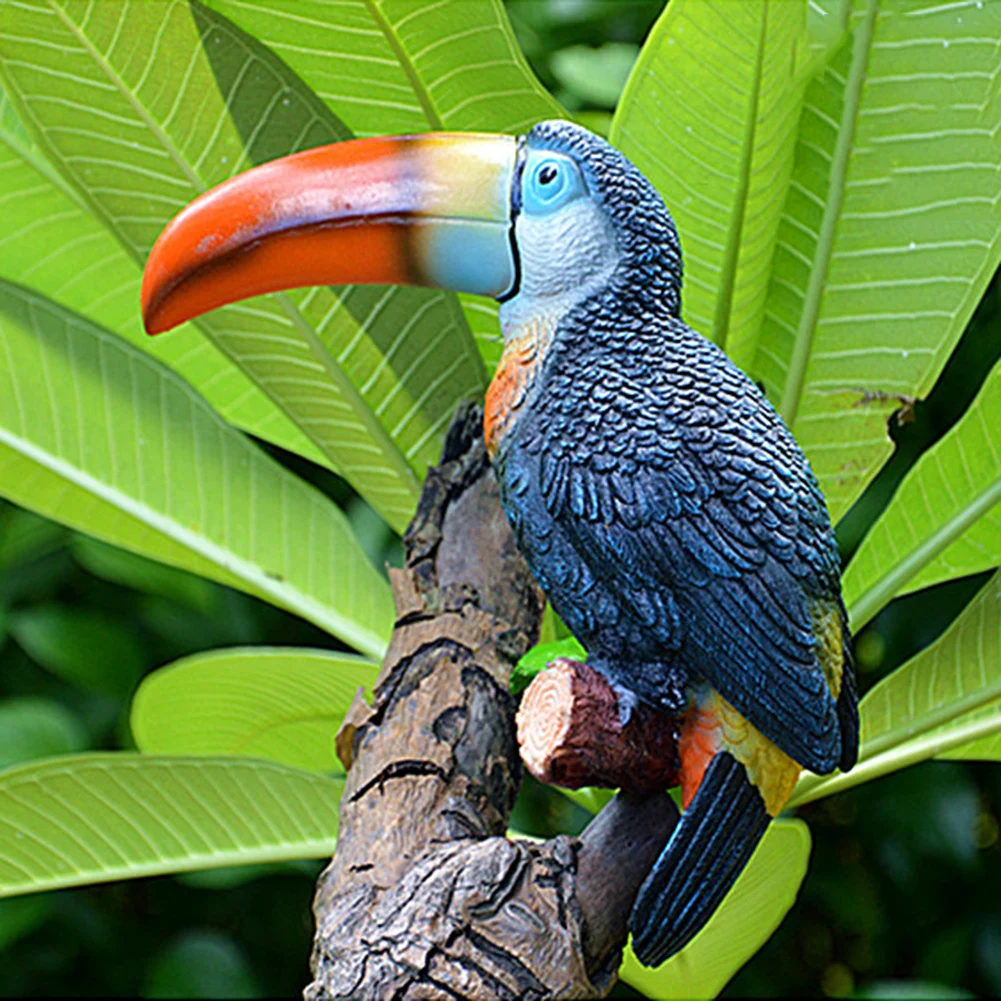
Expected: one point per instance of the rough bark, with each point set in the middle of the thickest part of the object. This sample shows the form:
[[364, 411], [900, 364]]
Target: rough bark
[[425, 896], [570, 734]]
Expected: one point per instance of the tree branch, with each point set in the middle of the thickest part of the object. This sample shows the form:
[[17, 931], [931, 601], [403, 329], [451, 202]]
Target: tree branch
[[425, 897], [570, 734]]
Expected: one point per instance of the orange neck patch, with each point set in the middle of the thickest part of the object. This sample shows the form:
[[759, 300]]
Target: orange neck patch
[[510, 383]]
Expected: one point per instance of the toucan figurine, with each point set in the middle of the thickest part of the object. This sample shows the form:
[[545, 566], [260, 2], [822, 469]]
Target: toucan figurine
[[660, 500]]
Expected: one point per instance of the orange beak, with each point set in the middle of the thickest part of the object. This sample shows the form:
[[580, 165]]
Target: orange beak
[[431, 210]]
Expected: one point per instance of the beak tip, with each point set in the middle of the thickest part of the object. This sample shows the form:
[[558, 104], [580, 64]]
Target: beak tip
[[155, 326], [153, 315], [148, 316], [152, 297], [151, 329]]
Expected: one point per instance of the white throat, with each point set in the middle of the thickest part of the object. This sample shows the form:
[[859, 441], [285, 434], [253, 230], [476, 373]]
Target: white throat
[[564, 258]]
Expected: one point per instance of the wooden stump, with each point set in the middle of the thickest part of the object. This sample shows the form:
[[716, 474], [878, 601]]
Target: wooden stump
[[425, 896]]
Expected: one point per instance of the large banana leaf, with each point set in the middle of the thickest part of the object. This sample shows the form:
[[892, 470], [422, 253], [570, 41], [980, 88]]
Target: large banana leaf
[[102, 437], [90, 818], [281, 704], [52, 242], [749, 914], [945, 519], [890, 230], [389, 66], [874, 272], [942, 700], [371, 377], [709, 115]]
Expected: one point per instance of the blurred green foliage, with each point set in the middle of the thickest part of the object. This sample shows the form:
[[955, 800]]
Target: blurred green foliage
[[901, 899]]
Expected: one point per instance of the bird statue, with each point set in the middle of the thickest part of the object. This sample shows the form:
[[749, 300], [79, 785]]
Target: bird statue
[[659, 499]]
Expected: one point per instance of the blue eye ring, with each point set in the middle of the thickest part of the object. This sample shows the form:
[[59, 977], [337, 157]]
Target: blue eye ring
[[550, 182]]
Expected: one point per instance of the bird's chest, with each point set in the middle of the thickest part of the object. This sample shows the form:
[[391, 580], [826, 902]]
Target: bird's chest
[[516, 445]]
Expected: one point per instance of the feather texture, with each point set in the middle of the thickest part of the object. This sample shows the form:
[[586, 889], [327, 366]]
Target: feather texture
[[671, 517]]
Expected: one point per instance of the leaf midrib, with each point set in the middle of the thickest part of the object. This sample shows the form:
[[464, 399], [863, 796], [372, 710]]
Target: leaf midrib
[[792, 392], [406, 64], [286, 595], [362, 411], [879, 593], [909, 752], [728, 273]]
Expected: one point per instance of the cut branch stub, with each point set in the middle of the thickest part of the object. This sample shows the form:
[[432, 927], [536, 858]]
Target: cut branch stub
[[570, 734]]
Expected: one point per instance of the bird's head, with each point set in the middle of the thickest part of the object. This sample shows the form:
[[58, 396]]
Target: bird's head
[[585, 219], [541, 221]]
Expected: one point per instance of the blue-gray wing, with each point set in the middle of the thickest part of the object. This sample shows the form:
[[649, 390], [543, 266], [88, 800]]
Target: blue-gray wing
[[715, 534]]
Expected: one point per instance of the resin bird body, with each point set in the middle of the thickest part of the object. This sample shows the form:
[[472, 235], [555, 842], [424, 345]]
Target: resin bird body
[[660, 500], [675, 525]]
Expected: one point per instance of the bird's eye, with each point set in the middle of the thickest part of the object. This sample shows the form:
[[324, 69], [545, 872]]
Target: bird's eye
[[548, 180], [551, 182]]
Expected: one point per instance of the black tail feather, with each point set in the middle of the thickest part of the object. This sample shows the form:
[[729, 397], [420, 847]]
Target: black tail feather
[[708, 850], [847, 706]]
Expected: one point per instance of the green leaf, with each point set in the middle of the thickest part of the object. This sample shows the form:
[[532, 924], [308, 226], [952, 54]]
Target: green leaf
[[481, 315], [24, 536], [750, 912], [52, 242], [281, 704], [890, 232], [98, 817], [592, 798], [827, 25], [100, 436], [37, 728], [944, 520], [940, 701], [388, 66], [201, 964], [372, 376], [709, 115], [538, 659], [88, 648], [595, 76], [599, 122]]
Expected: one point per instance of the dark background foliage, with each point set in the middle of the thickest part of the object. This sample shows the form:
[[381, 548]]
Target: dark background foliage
[[904, 873]]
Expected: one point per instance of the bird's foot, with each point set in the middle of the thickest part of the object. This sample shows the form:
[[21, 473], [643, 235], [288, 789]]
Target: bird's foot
[[628, 701]]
